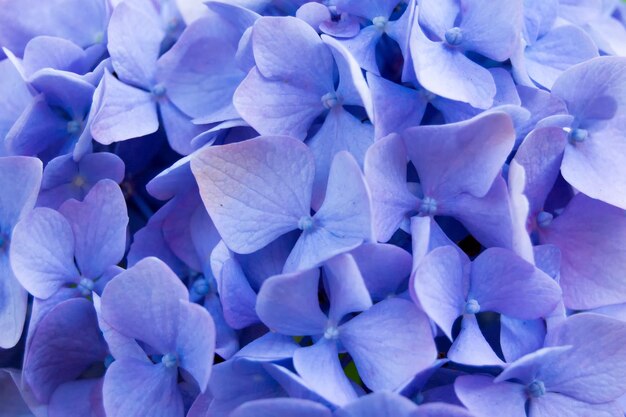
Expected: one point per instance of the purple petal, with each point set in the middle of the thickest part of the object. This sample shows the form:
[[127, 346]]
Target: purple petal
[[42, 252], [491, 29], [99, 225], [293, 384], [314, 14], [594, 89], [385, 171], [383, 267], [484, 398], [590, 236], [390, 343], [340, 131], [342, 223], [363, 47], [100, 165], [352, 88], [125, 113], [489, 219], [539, 17], [281, 406], [367, 8], [134, 41], [20, 178], [440, 287], [319, 367], [470, 347], [540, 155], [82, 22], [378, 404], [609, 34], [520, 337], [37, 121], [555, 52], [426, 235], [535, 365], [437, 16], [269, 347], [66, 342], [595, 167], [16, 95], [454, 76], [441, 410], [137, 389], [396, 107], [65, 90], [82, 398], [452, 159], [51, 52], [265, 181], [237, 381], [11, 397], [143, 303], [288, 304], [503, 282], [179, 128], [13, 305], [277, 107], [288, 48], [238, 298], [520, 208], [268, 261], [553, 404], [346, 288], [202, 84], [592, 369], [195, 342]]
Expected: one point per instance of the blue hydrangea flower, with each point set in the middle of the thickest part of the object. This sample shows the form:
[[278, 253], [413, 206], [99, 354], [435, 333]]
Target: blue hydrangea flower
[[148, 304]]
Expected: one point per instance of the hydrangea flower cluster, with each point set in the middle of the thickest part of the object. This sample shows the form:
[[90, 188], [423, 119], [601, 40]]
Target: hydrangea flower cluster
[[294, 208]]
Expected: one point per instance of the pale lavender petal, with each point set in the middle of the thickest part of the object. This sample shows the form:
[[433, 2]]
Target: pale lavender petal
[[266, 181]]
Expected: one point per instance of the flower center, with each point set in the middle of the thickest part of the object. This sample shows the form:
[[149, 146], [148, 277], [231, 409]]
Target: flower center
[[380, 22], [330, 100], [86, 286], [78, 181], [331, 333], [536, 389], [306, 223], [158, 91], [577, 136], [454, 36], [201, 286], [472, 307], [428, 207], [170, 360], [544, 219], [73, 127]]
